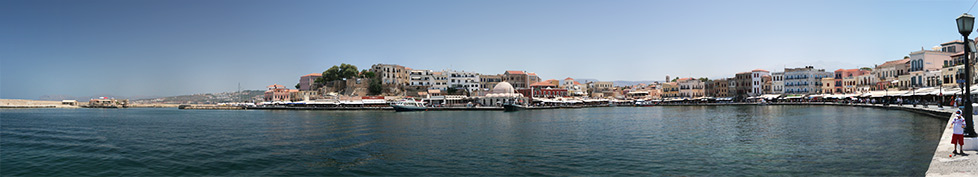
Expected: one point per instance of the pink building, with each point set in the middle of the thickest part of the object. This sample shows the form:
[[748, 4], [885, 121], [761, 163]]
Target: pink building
[[278, 93], [305, 82]]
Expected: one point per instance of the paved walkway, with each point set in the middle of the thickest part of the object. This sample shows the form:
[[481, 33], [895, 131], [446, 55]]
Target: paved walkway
[[943, 165]]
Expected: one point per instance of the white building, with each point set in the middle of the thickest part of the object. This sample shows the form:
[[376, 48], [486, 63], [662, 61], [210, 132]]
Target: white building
[[777, 82], [757, 82], [807, 80], [445, 79]]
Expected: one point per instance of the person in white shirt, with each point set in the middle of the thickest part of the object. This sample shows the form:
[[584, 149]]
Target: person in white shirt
[[957, 136]]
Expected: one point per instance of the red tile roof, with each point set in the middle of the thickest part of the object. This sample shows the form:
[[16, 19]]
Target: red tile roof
[[568, 78], [532, 74], [543, 83], [515, 72], [759, 70], [901, 61], [314, 74]]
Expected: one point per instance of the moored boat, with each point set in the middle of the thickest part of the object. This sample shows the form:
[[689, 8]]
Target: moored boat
[[512, 107], [408, 105]]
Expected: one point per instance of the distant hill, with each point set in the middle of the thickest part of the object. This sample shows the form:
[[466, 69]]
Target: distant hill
[[207, 98], [85, 98], [617, 83]]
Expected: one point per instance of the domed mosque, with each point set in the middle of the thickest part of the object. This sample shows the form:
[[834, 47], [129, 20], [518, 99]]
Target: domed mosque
[[503, 92]]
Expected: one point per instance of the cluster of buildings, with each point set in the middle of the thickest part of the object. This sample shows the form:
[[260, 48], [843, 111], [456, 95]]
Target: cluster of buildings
[[400, 81], [938, 67]]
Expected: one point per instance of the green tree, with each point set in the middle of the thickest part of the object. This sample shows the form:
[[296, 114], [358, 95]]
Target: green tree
[[451, 90], [296, 85], [367, 74], [703, 79], [374, 87], [343, 71]]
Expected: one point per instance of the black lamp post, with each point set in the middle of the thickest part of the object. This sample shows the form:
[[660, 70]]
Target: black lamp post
[[966, 23]]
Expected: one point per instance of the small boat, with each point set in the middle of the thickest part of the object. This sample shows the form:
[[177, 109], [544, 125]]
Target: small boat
[[512, 107], [408, 105]]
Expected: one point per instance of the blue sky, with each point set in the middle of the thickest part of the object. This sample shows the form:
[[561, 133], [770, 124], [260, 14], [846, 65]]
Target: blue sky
[[173, 47]]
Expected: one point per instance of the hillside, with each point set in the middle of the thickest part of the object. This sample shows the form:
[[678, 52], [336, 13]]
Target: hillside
[[207, 98]]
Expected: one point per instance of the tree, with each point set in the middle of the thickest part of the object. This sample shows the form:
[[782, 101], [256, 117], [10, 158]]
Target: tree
[[343, 71], [367, 74], [703, 79], [374, 87], [451, 90], [296, 85]]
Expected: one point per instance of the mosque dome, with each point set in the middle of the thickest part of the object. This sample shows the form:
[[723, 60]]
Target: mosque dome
[[503, 87]]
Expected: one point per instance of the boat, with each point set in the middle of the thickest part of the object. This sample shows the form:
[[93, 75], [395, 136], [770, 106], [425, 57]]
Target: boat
[[512, 107], [408, 105]]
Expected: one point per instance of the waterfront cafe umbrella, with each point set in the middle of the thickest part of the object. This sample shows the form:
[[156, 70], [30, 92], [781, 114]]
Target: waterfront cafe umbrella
[[878, 94], [903, 93], [923, 91], [794, 97], [770, 96]]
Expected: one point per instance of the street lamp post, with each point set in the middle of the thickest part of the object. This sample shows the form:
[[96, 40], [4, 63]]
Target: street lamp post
[[966, 23]]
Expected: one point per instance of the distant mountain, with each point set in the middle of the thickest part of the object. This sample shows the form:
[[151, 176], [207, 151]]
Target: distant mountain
[[617, 83], [207, 98], [86, 98]]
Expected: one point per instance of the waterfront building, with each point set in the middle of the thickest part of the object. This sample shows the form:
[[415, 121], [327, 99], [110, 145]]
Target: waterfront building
[[690, 87], [545, 89], [306, 82], [574, 88], [766, 87], [462, 79], [866, 83], [392, 74], [950, 75], [806, 80], [532, 77], [709, 89], [828, 85], [742, 85], [932, 60], [757, 82], [602, 86], [845, 80], [445, 79], [777, 82], [501, 93], [486, 82], [304, 95], [277, 92], [670, 90], [889, 72], [518, 79], [718, 88], [958, 60], [731, 87], [932, 79]]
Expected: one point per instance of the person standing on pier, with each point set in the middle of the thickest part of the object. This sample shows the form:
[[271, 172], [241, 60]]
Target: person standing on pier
[[957, 136]]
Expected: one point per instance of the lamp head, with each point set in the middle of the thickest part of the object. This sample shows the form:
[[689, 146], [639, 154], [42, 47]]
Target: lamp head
[[966, 23]]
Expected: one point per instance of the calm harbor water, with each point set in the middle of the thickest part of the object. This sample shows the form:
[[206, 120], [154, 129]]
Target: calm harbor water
[[694, 140]]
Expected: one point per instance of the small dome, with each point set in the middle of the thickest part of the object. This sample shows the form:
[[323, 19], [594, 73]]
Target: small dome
[[503, 87]]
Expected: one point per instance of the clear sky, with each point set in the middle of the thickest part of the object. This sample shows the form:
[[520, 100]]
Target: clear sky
[[173, 47]]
